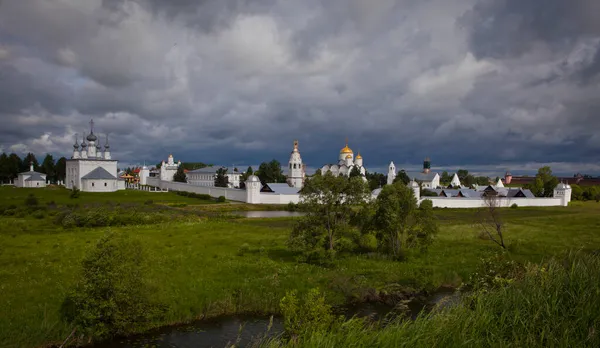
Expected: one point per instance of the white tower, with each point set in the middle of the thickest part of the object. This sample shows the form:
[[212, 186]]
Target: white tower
[[75, 149], [83, 148], [499, 183], [358, 160], [253, 189], [106, 149], [563, 191], [391, 173], [415, 188], [295, 168], [91, 138], [144, 174]]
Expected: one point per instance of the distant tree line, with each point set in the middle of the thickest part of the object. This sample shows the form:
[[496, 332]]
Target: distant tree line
[[11, 165]]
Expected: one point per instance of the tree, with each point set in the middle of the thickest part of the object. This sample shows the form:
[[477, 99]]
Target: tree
[[445, 178], [112, 295], [48, 167], [4, 168], [490, 220], [462, 174], [402, 177], [180, 176], [482, 180], [376, 180], [328, 202], [61, 169], [354, 172], [318, 172], [400, 222], [14, 165], [270, 172], [544, 183], [221, 179]]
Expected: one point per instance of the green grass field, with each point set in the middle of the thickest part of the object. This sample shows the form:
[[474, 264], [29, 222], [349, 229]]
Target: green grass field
[[200, 271]]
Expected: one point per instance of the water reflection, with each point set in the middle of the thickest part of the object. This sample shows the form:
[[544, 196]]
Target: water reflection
[[268, 214]]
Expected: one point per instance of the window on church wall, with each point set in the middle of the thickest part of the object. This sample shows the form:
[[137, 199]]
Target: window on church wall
[[92, 184]]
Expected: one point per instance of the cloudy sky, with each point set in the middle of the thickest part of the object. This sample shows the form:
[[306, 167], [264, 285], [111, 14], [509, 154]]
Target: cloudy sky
[[474, 83]]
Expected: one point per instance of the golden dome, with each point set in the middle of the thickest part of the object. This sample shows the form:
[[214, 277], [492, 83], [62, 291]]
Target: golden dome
[[346, 149], [349, 156], [358, 156]]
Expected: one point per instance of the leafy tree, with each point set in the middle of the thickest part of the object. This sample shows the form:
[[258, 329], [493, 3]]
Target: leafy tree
[[482, 180], [544, 183], [328, 202], [400, 223], [180, 176], [318, 172], [15, 165], [462, 174], [61, 169], [48, 167], [468, 180], [376, 180], [112, 295], [29, 159], [221, 179], [354, 172], [270, 172], [4, 168], [402, 177], [445, 178]]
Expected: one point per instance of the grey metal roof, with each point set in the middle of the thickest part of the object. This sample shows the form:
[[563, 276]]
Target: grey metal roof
[[283, 189], [34, 176], [205, 170], [99, 174], [419, 176]]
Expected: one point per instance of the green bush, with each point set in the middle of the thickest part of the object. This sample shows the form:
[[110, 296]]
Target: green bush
[[494, 272], [112, 296], [514, 206], [368, 242], [221, 199], [31, 200], [313, 314], [75, 192], [149, 202], [39, 214]]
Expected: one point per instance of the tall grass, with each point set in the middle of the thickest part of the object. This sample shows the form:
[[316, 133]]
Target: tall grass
[[556, 304]]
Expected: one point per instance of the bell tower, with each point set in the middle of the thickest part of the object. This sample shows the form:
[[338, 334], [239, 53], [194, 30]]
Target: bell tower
[[295, 168], [391, 173]]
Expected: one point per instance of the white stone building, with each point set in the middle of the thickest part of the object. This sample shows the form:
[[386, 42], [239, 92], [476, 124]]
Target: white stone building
[[426, 178], [92, 170], [296, 169], [206, 177], [31, 179], [346, 162], [168, 169]]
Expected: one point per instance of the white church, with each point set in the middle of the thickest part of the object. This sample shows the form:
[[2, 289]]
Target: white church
[[346, 163], [91, 169]]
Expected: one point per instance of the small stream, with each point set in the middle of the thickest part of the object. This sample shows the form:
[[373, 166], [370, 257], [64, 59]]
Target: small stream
[[242, 330]]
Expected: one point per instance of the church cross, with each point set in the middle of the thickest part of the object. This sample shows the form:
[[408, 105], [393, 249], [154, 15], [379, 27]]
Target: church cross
[[92, 125], [346, 141]]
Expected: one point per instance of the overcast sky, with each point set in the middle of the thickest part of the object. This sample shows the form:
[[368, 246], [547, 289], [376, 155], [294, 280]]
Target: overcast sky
[[488, 84]]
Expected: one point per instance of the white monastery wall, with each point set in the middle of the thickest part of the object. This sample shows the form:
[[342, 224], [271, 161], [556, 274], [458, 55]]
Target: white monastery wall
[[443, 202]]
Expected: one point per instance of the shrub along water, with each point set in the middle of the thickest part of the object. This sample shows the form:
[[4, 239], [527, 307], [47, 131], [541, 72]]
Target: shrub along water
[[554, 305], [112, 296]]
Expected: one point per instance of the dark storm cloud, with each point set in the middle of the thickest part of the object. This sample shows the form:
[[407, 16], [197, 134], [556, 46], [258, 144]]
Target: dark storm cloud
[[461, 81]]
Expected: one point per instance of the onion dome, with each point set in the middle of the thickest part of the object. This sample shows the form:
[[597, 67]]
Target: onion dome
[[346, 149], [83, 144], [76, 145], [349, 157], [106, 146], [358, 156], [92, 137]]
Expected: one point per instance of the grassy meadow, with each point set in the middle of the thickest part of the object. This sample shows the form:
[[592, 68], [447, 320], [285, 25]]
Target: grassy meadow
[[205, 267]]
